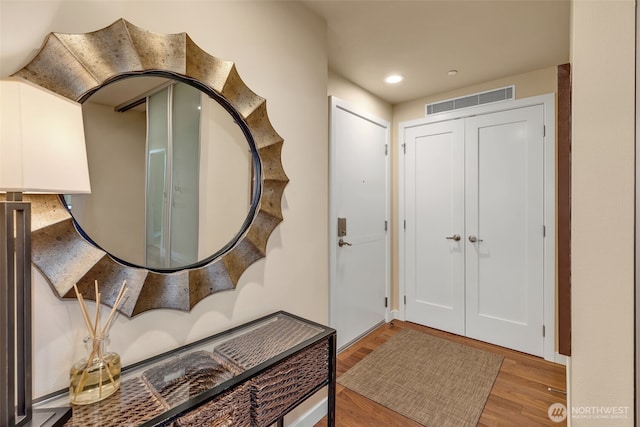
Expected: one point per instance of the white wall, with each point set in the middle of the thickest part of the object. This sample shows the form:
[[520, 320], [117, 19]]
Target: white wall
[[359, 98], [602, 242], [532, 83], [280, 52]]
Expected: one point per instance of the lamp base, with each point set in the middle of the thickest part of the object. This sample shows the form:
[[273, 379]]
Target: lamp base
[[49, 417]]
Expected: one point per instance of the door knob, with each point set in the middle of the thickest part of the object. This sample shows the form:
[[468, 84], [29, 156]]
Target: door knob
[[455, 237], [342, 243], [474, 239]]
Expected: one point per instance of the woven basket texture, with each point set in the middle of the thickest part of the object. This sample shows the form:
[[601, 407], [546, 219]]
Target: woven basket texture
[[231, 409], [280, 387], [186, 376], [131, 405], [265, 342]]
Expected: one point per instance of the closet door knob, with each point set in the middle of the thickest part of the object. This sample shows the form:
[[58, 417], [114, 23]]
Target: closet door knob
[[474, 239], [455, 237]]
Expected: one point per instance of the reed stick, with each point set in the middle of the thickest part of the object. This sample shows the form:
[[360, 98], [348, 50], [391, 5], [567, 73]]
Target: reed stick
[[83, 308], [96, 328], [121, 292]]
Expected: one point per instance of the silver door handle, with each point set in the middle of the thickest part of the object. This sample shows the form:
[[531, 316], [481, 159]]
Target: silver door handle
[[342, 243], [474, 239], [455, 237]]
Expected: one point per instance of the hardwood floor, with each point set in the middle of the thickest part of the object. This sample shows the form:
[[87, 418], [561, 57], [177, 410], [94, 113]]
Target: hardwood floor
[[520, 395]]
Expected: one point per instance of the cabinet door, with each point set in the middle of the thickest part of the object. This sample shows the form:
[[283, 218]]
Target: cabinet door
[[435, 225], [504, 215]]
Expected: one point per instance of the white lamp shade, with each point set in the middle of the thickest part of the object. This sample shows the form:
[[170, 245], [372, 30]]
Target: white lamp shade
[[42, 146]]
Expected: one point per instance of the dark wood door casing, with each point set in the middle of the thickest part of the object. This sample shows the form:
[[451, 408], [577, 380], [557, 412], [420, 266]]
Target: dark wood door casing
[[563, 194]]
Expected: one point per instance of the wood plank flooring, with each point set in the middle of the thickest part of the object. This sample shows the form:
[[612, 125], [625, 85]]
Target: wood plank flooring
[[520, 395]]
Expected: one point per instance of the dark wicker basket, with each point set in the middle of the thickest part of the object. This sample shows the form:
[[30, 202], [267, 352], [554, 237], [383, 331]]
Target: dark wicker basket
[[261, 344], [231, 409], [131, 405], [282, 386], [182, 378]]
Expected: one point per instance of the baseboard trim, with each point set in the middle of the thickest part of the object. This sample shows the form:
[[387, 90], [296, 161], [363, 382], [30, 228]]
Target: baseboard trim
[[312, 416], [396, 314], [560, 359], [359, 337]]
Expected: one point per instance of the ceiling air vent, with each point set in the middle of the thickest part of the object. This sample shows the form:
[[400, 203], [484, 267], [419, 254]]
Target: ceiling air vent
[[496, 95]]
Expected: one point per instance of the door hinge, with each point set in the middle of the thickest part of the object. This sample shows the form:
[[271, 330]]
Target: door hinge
[[386, 225], [405, 300], [543, 331], [404, 224], [404, 148], [544, 231], [386, 302], [386, 149], [544, 131]]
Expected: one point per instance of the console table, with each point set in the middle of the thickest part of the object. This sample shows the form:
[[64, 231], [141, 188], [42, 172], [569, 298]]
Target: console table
[[251, 375]]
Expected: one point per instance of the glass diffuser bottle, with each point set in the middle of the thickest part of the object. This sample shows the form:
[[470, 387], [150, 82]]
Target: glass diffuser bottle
[[96, 376]]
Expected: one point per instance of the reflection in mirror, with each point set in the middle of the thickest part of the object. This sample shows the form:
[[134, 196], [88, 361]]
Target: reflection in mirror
[[171, 173]]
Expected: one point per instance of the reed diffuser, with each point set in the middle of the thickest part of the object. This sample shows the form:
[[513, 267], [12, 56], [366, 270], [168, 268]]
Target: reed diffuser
[[96, 376]]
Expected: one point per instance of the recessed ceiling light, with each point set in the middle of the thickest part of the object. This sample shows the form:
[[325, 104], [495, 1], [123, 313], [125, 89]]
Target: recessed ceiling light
[[394, 78], [452, 72]]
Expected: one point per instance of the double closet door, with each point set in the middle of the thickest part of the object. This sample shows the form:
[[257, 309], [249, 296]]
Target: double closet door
[[474, 206]]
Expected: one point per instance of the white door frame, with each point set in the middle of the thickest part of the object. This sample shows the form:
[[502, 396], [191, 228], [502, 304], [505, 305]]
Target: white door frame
[[333, 209], [549, 301]]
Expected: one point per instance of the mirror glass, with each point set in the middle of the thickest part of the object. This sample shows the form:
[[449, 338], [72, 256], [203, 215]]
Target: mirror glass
[[171, 174]]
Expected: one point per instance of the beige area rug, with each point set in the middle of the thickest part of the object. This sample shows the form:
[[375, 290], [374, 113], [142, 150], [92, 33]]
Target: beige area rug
[[433, 381]]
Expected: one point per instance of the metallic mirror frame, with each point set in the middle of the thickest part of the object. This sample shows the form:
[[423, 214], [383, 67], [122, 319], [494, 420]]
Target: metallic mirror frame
[[74, 66]]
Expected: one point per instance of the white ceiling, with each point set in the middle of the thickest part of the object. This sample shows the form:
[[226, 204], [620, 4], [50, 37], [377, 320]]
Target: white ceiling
[[423, 39]]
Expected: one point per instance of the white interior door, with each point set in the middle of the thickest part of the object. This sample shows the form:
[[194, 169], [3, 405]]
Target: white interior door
[[505, 215], [435, 225], [359, 267], [480, 178]]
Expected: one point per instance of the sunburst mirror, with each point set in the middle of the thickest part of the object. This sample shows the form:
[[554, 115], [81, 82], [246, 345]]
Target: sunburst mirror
[[67, 252]]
